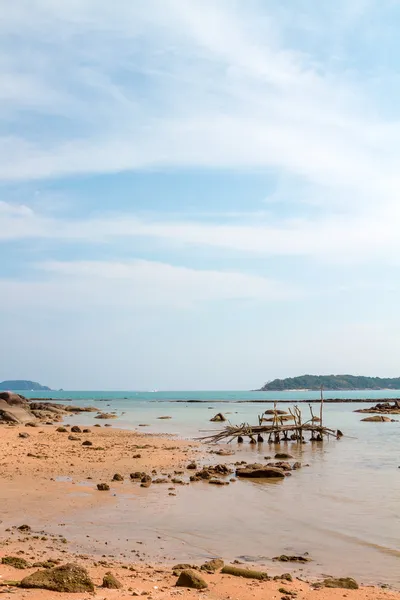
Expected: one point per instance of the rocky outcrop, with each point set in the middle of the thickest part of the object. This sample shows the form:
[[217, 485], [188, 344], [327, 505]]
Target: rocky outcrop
[[377, 419], [68, 578], [385, 408]]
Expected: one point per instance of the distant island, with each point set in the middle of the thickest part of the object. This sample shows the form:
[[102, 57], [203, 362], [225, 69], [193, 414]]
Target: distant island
[[21, 384], [331, 382]]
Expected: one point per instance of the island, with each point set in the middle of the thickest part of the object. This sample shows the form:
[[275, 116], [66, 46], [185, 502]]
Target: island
[[22, 384], [331, 382]]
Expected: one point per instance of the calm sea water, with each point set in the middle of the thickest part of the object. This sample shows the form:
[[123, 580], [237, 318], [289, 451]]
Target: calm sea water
[[343, 509]]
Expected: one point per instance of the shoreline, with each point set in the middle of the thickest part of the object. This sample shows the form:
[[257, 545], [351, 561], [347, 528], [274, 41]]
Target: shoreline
[[66, 473]]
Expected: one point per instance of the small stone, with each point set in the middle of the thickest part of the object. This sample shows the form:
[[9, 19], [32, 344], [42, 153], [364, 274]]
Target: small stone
[[103, 487], [110, 582], [23, 435], [61, 430], [118, 477], [87, 443]]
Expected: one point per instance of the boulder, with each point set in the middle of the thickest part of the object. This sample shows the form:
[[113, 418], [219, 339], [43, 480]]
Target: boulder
[[190, 579], [347, 583], [13, 399], [68, 578], [76, 429], [110, 582], [262, 473], [15, 561]]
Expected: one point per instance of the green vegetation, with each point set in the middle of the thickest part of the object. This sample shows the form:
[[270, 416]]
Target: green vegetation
[[19, 385], [331, 382]]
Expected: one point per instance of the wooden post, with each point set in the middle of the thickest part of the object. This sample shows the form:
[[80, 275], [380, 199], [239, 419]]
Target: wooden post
[[321, 407]]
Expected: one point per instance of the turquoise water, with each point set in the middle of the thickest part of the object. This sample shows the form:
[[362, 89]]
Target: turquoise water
[[205, 396], [343, 508]]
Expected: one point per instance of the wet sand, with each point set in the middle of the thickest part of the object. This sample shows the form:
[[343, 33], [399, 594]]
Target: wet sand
[[52, 486]]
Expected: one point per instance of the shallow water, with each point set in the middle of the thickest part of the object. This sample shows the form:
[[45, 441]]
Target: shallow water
[[343, 509]]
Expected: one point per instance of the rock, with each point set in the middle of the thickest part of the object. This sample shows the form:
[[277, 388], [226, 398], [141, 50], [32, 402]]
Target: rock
[[247, 573], [212, 565], [76, 429], [137, 475], [190, 579], [110, 582], [283, 455], [296, 465], [218, 482], [261, 473], [87, 443], [62, 430], [137, 456], [286, 558], [25, 528], [341, 582], [192, 465], [68, 578], [23, 435], [164, 417], [86, 430], [31, 424], [377, 418], [74, 438], [285, 466], [218, 418], [106, 416], [15, 561], [118, 477], [103, 487], [13, 399]]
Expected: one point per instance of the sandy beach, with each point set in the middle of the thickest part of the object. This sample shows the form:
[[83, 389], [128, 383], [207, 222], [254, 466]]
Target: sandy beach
[[47, 475]]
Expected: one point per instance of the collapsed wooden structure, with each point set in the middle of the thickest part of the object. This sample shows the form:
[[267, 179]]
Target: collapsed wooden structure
[[279, 429]]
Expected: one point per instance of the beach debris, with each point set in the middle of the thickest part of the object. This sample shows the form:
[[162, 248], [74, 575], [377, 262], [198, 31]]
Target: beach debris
[[212, 565], [111, 582], [347, 583], [292, 558], [219, 417], [103, 487], [190, 579], [76, 429], [67, 578], [15, 561], [378, 419], [247, 573], [260, 472], [118, 477]]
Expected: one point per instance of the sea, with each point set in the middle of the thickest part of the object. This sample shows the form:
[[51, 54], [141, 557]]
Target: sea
[[343, 508]]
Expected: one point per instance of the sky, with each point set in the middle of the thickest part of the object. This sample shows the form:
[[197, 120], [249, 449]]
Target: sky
[[198, 194]]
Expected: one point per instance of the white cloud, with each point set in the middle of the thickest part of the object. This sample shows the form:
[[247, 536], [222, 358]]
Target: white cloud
[[175, 84], [343, 239], [82, 285]]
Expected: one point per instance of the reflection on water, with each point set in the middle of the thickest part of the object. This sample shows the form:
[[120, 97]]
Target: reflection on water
[[342, 508]]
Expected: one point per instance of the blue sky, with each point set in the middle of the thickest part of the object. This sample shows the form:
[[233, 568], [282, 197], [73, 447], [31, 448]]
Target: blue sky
[[198, 194]]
